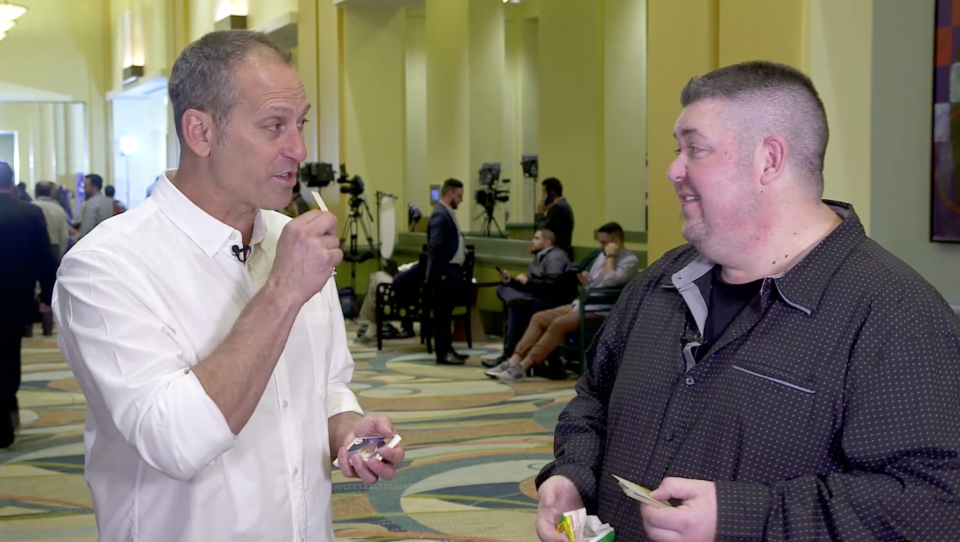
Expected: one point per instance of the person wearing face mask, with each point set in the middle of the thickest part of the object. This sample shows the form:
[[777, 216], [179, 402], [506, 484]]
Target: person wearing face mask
[[205, 330], [779, 377]]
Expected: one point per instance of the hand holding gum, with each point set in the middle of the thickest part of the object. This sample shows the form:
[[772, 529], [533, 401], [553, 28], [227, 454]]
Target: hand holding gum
[[323, 207]]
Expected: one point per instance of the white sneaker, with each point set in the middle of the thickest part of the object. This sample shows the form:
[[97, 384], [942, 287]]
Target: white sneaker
[[495, 372]]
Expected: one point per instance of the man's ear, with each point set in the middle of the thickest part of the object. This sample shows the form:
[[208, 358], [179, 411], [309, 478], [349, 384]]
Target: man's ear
[[199, 131], [775, 153]]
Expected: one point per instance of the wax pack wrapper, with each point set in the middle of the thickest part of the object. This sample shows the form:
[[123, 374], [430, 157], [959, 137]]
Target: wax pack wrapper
[[579, 527]]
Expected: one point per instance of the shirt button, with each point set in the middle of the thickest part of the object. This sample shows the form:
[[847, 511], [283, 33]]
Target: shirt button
[[669, 436], [691, 381], [285, 403], [295, 471]]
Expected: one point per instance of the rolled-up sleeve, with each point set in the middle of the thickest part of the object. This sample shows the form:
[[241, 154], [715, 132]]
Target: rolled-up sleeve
[[627, 268], [131, 368], [340, 398]]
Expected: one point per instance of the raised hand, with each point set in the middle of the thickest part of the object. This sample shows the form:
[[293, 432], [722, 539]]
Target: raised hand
[[307, 253]]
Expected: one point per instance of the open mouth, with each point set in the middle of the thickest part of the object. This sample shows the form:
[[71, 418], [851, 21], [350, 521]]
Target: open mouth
[[287, 178]]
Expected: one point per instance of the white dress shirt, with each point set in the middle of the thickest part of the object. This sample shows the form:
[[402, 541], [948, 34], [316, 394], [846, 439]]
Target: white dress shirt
[[144, 297], [460, 256]]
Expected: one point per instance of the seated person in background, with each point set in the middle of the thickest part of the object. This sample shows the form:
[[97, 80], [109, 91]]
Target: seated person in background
[[613, 268], [408, 278], [538, 290], [555, 214]]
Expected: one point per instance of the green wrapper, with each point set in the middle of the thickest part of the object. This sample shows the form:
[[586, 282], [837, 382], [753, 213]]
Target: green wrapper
[[579, 527]]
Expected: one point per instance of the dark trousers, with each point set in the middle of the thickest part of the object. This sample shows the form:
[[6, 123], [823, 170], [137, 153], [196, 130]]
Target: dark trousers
[[520, 306], [11, 334], [445, 295]]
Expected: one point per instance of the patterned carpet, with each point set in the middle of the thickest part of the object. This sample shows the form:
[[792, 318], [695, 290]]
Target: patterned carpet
[[474, 446]]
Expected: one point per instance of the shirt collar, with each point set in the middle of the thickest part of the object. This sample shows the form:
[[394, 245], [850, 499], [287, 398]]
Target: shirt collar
[[802, 286], [542, 253], [208, 233]]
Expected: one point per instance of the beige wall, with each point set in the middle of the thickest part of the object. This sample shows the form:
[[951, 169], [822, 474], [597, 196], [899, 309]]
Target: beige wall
[[625, 114], [900, 133], [62, 47], [415, 48], [839, 64]]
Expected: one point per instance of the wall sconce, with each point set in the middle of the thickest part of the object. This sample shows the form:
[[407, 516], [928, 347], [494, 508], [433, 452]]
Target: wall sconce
[[230, 14], [11, 12], [131, 74], [131, 69], [231, 22]]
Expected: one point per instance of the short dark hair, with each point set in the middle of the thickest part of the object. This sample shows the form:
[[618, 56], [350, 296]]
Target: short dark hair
[[611, 228], [95, 180], [553, 184], [202, 77], [548, 235], [6, 176], [780, 100], [109, 191], [449, 186], [44, 189]]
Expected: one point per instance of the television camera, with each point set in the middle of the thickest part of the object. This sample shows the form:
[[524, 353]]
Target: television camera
[[321, 175], [490, 193]]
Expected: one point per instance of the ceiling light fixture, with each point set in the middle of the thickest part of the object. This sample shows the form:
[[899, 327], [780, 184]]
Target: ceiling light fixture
[[6, 25], [10, 11]]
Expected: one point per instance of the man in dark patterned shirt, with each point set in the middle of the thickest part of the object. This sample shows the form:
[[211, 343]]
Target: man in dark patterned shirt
[[782, 377]]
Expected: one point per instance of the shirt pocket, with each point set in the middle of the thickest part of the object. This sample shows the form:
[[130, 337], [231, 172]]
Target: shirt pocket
[[775, 416], [320, 333]]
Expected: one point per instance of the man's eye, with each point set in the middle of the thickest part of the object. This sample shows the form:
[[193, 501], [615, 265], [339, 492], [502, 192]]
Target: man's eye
[[275, 127]]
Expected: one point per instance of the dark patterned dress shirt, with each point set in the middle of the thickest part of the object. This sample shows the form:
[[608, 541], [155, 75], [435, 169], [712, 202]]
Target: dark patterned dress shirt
[[829, 409]]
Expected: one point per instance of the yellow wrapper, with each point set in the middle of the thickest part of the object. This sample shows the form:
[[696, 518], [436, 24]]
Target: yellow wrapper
[[579, 527], [571, 524]]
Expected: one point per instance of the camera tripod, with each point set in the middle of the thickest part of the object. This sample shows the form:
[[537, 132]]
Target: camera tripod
[[488, 220], [355, 222]]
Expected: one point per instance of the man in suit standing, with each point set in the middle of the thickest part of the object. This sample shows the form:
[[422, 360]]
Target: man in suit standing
[[555, 214], [447, 253], [25, 259]]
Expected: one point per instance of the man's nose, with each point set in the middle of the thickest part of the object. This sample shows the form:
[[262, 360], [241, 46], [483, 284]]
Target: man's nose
[[296, 148], [677, 170]]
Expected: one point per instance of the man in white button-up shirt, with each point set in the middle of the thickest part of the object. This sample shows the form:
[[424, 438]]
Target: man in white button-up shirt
[[206, 332]]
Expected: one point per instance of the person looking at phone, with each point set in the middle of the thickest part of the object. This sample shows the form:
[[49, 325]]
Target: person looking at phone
[[555, 214], [614, 267], [781, 376], [542, 287], [205, 330]]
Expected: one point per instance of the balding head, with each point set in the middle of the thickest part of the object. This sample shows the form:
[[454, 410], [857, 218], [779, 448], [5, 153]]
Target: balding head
[[44, 189], [6, 177], [764, 99], [203, 76]]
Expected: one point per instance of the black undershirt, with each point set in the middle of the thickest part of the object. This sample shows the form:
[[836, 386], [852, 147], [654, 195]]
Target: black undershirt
[[725, 303]]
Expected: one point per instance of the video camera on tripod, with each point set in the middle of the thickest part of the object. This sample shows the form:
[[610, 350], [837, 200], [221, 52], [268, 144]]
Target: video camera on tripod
[[490, 194], [321, 175]]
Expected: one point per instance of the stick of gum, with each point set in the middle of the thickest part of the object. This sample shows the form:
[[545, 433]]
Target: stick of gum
[[323, 207], [319, 200]]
